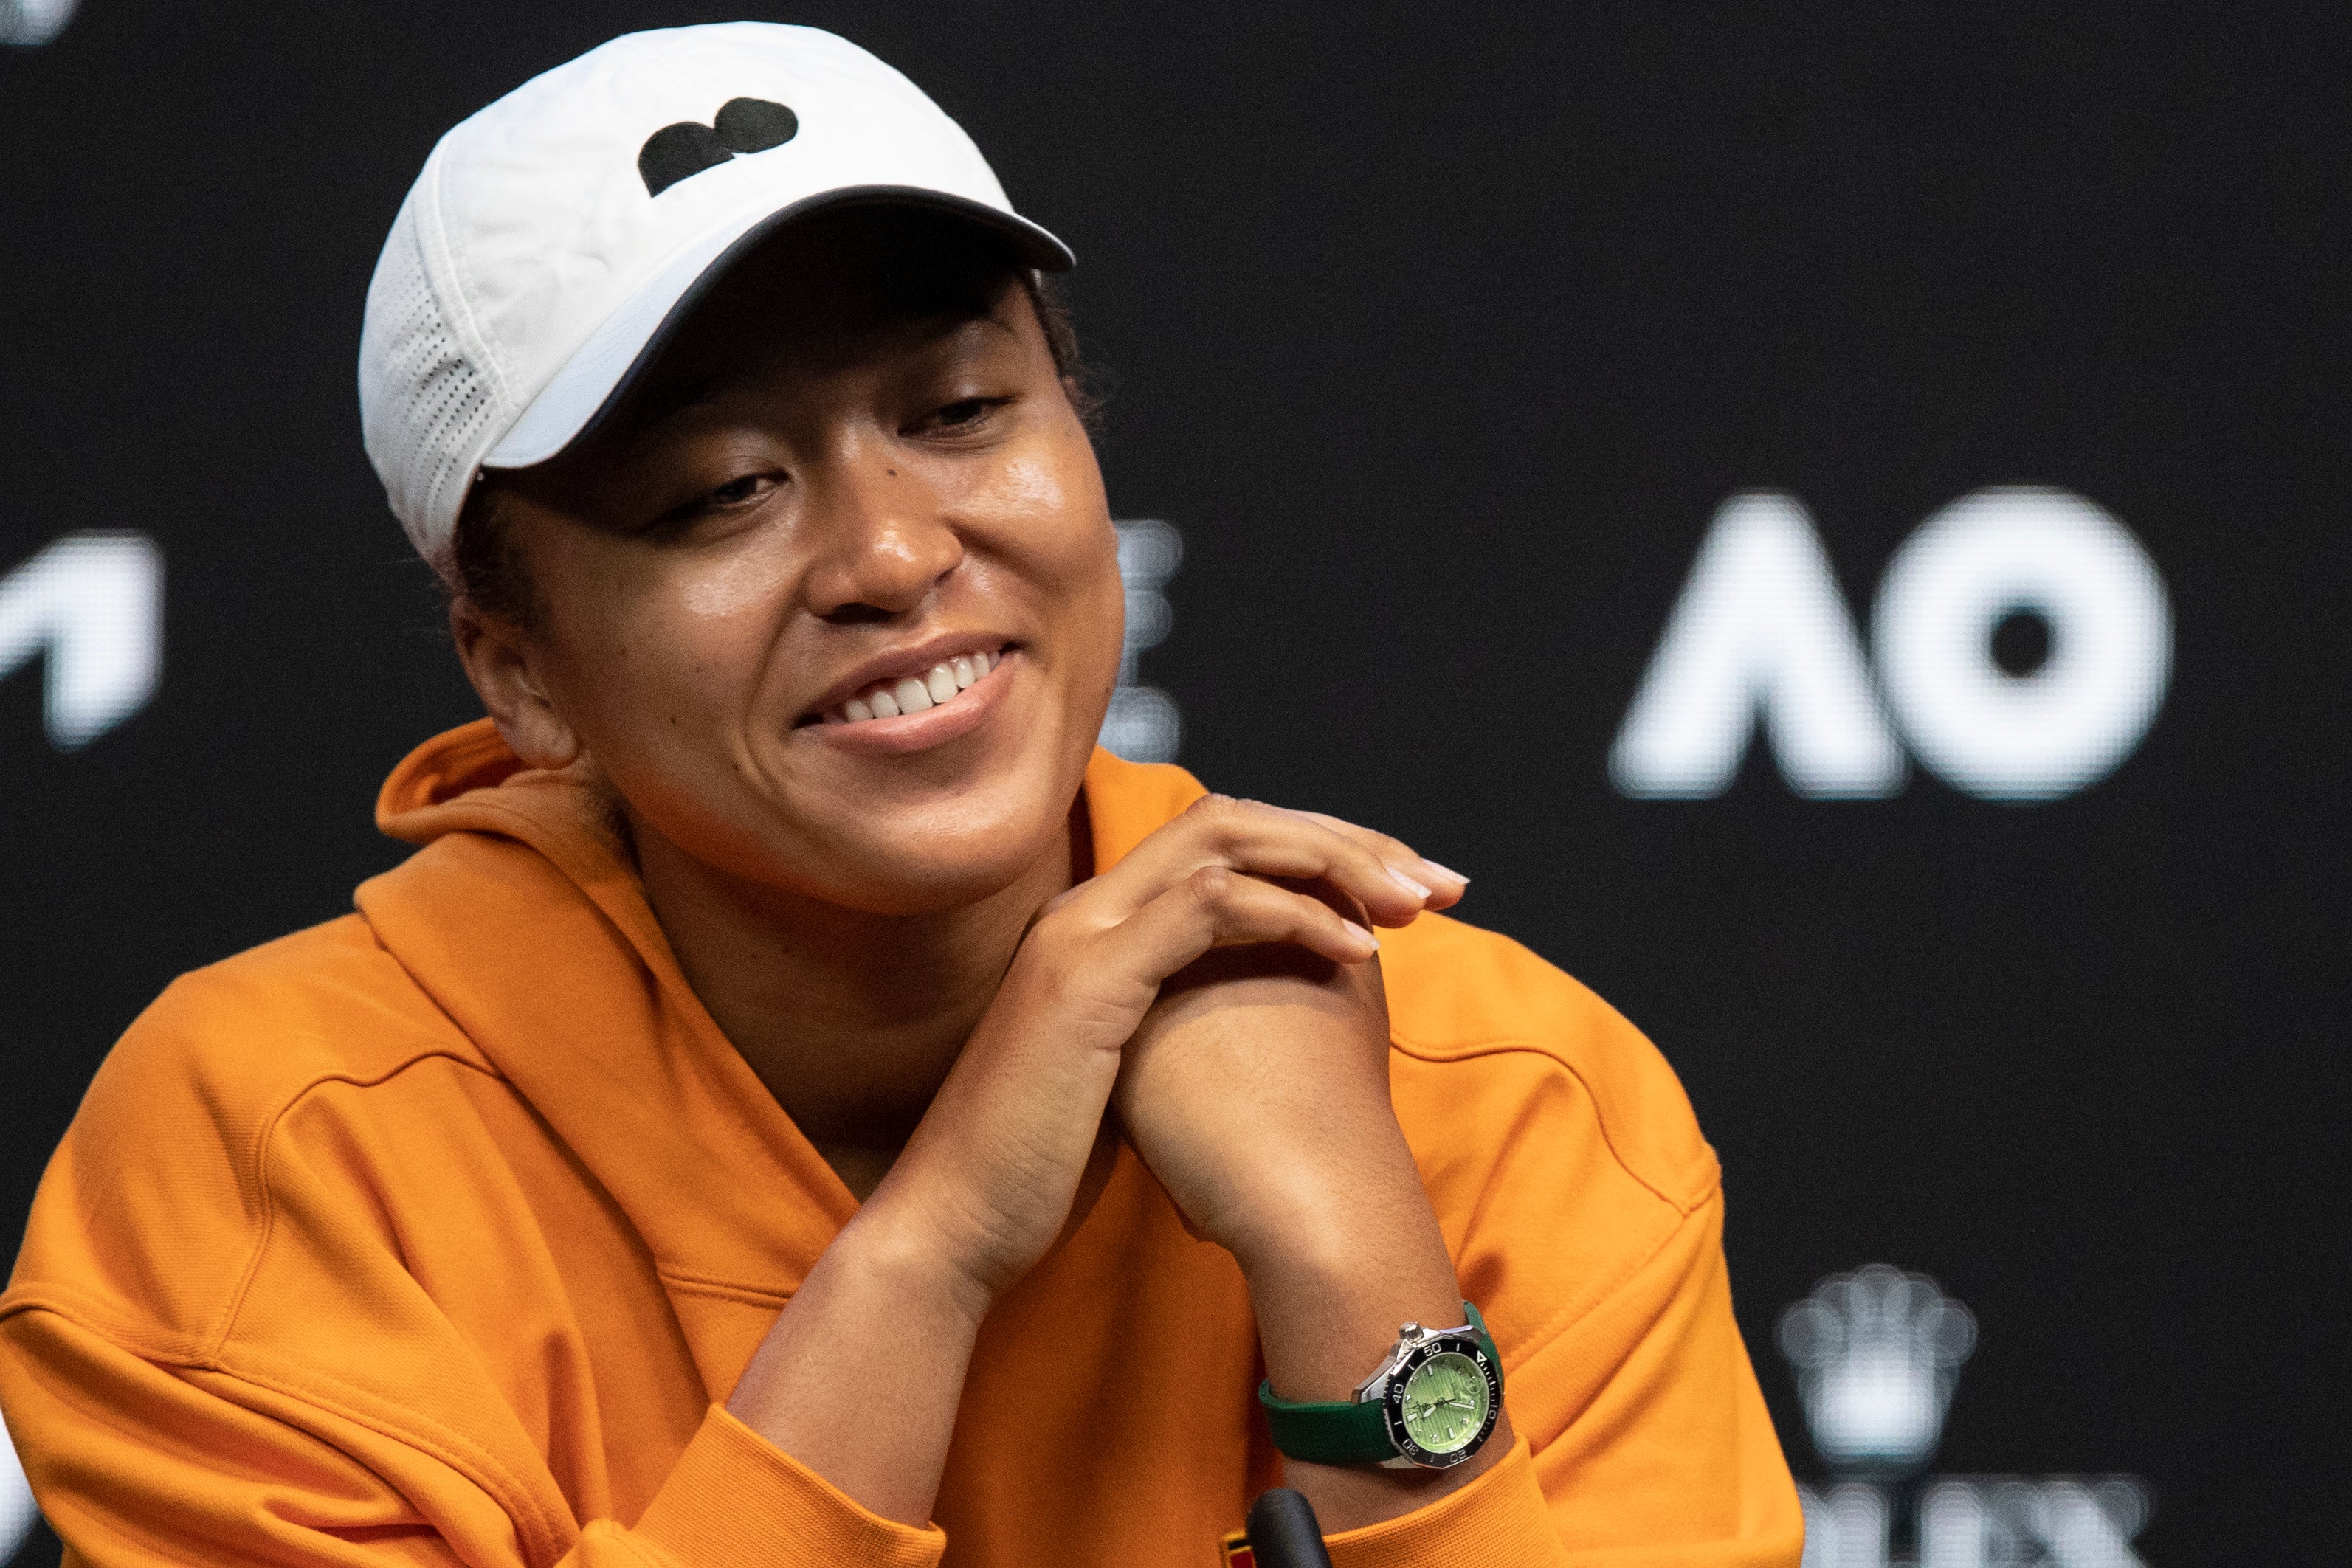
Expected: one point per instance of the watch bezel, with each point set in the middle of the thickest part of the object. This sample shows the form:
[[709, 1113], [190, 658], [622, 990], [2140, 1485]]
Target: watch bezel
[[1464, 1343]]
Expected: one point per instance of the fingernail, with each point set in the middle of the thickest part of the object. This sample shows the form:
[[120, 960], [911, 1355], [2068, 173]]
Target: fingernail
[[1369, 939], [1407, 883], [1444, 871]]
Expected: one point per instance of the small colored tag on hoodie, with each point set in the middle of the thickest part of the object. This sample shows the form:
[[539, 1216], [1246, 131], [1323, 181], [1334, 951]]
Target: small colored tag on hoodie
[[1236, 1548]]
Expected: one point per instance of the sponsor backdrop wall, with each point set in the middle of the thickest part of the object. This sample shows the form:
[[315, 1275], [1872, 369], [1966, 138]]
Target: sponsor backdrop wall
[[1835, 518]]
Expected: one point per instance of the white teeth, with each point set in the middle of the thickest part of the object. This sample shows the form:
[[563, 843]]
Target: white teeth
[[914, 694]]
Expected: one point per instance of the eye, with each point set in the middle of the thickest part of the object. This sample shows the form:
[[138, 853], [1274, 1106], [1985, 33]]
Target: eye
[[738, 492], [735, 496], [961, 417]]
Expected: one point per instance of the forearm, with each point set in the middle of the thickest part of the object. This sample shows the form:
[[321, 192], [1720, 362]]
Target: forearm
[[861, 1374]]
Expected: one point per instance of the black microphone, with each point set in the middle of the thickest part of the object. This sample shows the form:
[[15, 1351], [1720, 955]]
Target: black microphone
[[1283, 1533]]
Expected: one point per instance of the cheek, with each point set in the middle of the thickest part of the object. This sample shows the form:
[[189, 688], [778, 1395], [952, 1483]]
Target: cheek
[[733, 589], [1048, 515], [1030, 485], [653, 665]]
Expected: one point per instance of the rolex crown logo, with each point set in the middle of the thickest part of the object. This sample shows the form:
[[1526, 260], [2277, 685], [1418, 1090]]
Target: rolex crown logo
[[1877, 1353]]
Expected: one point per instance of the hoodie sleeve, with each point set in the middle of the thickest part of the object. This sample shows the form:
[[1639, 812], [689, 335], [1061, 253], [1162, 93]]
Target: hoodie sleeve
[[138, 1465], [287, 1296], [1642, 1441]]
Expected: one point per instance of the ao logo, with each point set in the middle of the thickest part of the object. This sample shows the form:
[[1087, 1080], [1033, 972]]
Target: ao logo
[[29, 22], [92, 606], [1877, 1353], [1760, 631]]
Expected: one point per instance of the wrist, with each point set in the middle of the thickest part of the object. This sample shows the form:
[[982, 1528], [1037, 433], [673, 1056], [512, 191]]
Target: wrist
[[897, 1246], [876, 1297], [1329, 1298], [1307, 1367]]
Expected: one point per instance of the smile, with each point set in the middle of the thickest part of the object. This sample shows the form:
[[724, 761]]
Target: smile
[[941, 684]]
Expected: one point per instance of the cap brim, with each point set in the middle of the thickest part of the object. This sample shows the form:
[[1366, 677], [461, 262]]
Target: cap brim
[[599, 374]]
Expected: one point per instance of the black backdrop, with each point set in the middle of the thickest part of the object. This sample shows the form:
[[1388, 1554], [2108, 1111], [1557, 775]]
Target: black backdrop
[[1440, 335]]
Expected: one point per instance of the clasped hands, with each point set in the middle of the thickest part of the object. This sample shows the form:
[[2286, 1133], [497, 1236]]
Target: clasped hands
[[1216, 988], [1216, 996]]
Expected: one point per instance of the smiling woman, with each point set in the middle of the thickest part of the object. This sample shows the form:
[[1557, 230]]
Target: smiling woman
[[857, 459], [803, 1103]]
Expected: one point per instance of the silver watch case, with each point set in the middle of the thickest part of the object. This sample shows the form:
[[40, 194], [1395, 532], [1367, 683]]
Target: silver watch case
[[1414, 1345]]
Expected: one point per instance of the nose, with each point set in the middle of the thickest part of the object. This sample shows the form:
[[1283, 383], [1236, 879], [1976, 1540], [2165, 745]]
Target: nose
[[883, 540]]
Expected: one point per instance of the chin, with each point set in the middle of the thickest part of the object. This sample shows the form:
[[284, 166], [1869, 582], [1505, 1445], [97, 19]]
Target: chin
[[929, 860]]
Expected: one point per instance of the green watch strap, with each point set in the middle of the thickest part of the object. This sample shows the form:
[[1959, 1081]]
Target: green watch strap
[[1346, 1431], [1335, 1432]]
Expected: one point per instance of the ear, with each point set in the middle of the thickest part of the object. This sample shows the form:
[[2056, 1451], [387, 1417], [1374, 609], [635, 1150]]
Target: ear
[[503, 665]]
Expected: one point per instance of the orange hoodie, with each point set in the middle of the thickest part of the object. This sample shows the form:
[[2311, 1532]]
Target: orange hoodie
[[440, 1232]]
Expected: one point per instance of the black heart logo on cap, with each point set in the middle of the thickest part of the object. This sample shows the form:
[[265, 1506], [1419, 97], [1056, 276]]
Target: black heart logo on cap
[[678, 151]]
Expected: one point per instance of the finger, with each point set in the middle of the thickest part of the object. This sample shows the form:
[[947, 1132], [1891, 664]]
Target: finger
[[1445, 885], [1217, 907], [1354, 871], [1263, 841]]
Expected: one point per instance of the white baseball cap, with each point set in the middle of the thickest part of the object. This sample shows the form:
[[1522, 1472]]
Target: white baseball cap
[[553, 235]]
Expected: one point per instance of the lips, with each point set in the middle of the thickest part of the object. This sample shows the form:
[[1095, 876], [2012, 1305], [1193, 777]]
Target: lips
[[936, 687], [931, 673]]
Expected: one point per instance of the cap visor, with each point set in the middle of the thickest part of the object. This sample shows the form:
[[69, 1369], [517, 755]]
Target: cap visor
[[601, 371]]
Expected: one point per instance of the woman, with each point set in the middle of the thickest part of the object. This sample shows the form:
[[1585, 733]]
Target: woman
[[804, 1104]]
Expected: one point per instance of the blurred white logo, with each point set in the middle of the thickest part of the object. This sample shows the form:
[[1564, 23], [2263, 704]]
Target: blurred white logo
[[91, 607], [29, 22], [1142, 725], [1761, 631], [1877, 1353], [16, 1509]]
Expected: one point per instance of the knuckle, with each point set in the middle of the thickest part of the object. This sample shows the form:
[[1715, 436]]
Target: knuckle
[[1213, 884], [1228, 812], [1215, 807]]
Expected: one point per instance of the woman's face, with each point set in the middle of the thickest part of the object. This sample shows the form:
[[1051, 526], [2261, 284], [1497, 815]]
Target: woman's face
[[858, 467]]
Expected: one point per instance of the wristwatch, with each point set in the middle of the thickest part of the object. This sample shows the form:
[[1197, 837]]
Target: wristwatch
[[1432, 1403]]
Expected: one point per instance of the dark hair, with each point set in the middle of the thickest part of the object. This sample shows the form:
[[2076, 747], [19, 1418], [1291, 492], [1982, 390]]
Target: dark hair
[[488, 563]]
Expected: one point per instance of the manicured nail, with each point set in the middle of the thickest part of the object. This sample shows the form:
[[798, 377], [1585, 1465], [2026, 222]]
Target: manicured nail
[[1370, 940], [1444, 871], [1407, 883]]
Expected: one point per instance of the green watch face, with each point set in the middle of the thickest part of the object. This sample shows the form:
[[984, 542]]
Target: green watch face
[[1446, 1403]]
